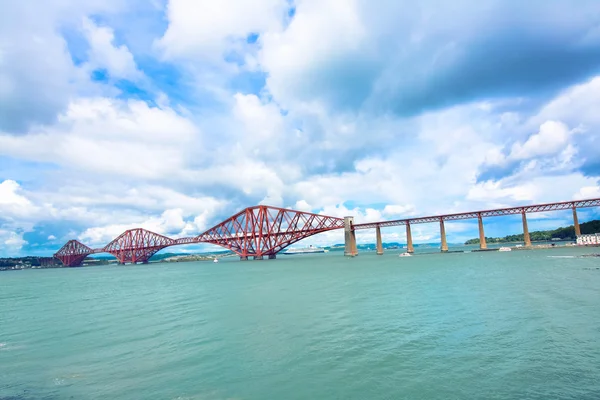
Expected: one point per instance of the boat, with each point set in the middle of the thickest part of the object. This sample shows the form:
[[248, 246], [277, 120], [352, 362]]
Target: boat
[[216, 260], [504, 249], [305, 250], [405, 254]]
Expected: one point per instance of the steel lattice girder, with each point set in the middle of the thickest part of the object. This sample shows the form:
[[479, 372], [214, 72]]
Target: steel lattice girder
[[73, 253], [137, 245], [565, 205], [264, 230]]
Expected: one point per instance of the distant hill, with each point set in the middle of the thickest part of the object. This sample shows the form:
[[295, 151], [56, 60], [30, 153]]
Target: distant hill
[[567, 233]]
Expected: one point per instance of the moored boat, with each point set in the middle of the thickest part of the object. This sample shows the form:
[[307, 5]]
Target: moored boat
[[305, 250]]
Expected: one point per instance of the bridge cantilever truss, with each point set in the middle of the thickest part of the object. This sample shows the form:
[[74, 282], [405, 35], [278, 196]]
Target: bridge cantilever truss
[[264, 231], [137, 245], [73, 253], [260, 231]]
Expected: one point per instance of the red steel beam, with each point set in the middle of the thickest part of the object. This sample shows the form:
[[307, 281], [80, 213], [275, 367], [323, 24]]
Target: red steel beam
[[564, 205], [264, 230]]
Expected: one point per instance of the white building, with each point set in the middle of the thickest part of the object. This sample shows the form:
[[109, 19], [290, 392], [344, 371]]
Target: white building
[[591, 239]]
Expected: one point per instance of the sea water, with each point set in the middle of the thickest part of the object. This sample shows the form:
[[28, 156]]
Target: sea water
[[520, 324]]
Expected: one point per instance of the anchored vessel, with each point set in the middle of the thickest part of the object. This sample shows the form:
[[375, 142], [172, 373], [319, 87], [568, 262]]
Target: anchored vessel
[[305, 250]]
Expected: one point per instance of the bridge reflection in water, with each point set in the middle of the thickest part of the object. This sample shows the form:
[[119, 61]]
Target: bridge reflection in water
[[263, 231]]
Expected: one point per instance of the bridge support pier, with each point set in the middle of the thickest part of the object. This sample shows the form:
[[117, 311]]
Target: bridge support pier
[[258, 257], [443, 236], [272, 256], [409, 244], [482, 242], [379, 242], [526, 238], [576, 222], [243, 258], [350, 248]]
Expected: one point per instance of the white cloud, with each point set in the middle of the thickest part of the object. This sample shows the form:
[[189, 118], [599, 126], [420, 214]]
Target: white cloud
[[126, 138], [587, 192], [174, 223], [37, 73], [12, 203], [552, 138], [397, 210], [576, 105], [339, 126], [103, 53], [205, 29], [531, 190], [302, 205], [322, 33], [263, 121], [493, 192], [12, 242]]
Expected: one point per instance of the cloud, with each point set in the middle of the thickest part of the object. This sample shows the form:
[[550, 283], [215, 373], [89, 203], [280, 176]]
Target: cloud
[[12, 203], [397, 210], [206, 30], [125, 138], [37, 73], [104, 54], [587, 192], [12, 242], [406, 58], [335, 107], [553, 137]]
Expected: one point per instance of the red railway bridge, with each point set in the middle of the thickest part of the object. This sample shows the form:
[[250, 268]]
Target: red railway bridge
[[263, 231]]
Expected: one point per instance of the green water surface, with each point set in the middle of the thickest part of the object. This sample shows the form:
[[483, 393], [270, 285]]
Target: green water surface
[[518, 325]]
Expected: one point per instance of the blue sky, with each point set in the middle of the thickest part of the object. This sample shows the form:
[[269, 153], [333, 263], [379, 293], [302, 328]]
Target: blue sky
[[174, 114]]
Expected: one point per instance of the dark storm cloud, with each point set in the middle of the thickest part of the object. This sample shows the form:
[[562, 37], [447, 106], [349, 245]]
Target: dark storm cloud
[[420, 57], [500, 67]]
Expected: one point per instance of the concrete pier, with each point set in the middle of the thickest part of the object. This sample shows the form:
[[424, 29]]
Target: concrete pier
[[443, 236], [409, 244], [272, 256], [350, 248], [576, 222], [379, 242], [526, 238], [482, 242]]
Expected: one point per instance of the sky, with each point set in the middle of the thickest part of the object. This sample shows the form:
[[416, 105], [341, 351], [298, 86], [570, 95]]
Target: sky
[[172, 115]]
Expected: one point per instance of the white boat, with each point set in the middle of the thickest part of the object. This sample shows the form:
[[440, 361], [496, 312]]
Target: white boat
[[405, 254], [305, 250], [215, 260], [504, 249]]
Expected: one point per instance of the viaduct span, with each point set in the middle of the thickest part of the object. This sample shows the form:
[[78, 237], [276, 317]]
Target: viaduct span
[[263, 231]]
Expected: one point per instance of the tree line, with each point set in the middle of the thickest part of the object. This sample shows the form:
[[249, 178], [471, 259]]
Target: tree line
[[567, 233]]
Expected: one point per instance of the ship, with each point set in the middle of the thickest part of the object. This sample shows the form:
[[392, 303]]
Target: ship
[[305, 250]]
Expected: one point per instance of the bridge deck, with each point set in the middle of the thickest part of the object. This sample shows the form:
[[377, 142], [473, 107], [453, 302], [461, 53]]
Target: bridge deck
[[565, 205]]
